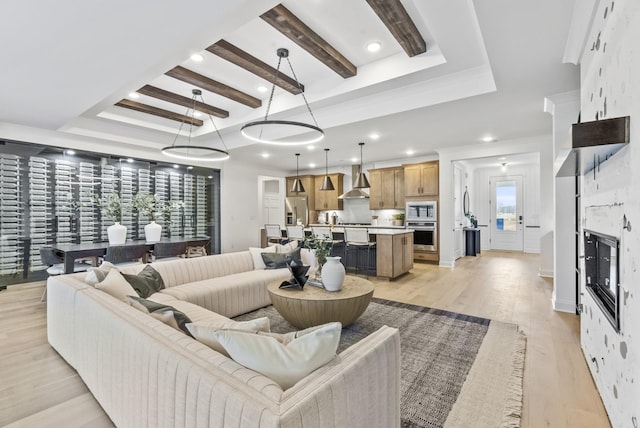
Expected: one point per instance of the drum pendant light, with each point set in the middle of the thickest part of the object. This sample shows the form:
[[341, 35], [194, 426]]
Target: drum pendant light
[[297, 184], [361, 180], [327, 184]]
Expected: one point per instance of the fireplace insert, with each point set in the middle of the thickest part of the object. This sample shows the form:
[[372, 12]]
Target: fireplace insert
[[601, 259]]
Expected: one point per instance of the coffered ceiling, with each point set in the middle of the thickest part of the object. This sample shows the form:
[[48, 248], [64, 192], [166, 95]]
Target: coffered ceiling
[[447, 73]]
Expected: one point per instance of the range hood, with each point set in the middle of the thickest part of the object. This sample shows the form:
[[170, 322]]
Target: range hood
[[354, 193], [593, 143]]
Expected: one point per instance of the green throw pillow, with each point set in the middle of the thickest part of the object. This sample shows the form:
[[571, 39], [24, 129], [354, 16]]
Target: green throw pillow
[[167, 314], [280, 260], [147, 282]]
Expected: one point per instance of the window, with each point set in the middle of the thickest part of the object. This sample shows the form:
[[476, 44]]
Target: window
[[506, 206]]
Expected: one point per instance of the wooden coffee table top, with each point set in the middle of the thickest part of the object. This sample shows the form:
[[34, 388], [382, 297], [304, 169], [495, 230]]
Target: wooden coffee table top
[[314, 306]]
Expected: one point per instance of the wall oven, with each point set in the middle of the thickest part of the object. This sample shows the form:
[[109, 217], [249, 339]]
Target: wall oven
[[421, 211], [425, 235]]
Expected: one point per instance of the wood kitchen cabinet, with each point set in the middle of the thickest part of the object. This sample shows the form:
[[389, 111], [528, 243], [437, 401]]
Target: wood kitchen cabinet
[[308, 182], [387, 188], [421, 179], [328, 199], [394, 254]]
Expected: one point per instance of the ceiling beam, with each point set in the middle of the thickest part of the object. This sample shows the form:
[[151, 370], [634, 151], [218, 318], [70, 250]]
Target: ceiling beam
[[170, 97], [211, 85], [242, 59], [399, 23], [297, 31], [155, 111]]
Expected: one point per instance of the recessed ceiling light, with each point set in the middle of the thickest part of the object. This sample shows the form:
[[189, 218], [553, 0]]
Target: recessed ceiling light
[[197, 114], [488, 139], [197, 58], [134, 95], [210, 177], [70, 152], [176, 166], [130, 160], [189, 167], [354, 160], [312, 165], [262, 88], [502, 158], [374, 136], [410, 152], [311, 147], [374, 46], [265, 155]]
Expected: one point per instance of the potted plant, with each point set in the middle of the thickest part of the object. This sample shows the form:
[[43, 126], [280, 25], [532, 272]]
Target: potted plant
[[112, 207], [398, 219], [321, 247], [147, 205]]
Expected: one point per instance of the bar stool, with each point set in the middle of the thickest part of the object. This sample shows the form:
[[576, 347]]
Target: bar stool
[[274, 234], [324, 232], [357, 239], [295, 233]]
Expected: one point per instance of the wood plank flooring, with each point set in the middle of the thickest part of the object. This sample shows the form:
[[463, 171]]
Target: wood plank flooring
[[38, 389]]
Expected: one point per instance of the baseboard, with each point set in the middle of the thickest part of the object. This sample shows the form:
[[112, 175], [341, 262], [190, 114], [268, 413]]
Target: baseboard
[[545, 273], [564, 306], [446, 264]]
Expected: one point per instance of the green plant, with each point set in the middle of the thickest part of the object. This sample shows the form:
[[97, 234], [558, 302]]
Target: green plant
[[399, 216], [111, 206], [147, 205], [320, 245]]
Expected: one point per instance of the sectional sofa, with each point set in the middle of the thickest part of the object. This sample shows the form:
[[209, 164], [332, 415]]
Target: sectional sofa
[[145, 373]]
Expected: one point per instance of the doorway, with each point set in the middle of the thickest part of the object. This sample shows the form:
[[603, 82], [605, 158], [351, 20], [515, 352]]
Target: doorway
[[506, 210]]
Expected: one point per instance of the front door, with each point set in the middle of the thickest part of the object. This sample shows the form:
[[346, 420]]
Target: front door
[[506, 213]]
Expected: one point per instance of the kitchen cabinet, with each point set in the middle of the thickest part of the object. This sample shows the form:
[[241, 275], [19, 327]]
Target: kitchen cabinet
[[328, 199], [387, 188], [421, 179], [394, 254], [308, 182]]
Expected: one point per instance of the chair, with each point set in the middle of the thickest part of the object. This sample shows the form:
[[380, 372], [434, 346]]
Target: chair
[[169, 250], [357, 239], [126, 254], [295, 232], [325, 232], [274, 234]]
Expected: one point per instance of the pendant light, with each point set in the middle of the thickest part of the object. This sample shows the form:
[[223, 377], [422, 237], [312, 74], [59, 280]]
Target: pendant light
[[297, 184], [275, 131], [361, 180], [195, 152], [327, 184]]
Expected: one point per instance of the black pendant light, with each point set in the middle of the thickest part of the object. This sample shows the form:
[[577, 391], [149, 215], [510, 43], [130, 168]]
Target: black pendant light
[[297, 184], [361, 180], [327, 184]]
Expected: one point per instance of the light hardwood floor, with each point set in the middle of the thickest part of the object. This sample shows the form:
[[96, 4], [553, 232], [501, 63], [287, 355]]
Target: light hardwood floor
[[38, 389]]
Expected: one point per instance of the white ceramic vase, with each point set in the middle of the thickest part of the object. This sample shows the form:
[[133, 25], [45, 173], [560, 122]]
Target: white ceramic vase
[[117, 234], [333, 274], [152, 232]]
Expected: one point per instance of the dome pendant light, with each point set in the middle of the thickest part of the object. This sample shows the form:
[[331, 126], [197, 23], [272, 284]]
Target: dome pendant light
[[361, 180], [327, 184], [277, 131], [195, 152], [297, 183]]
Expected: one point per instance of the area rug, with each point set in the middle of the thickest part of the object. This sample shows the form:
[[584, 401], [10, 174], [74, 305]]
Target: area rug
[[457, 370]]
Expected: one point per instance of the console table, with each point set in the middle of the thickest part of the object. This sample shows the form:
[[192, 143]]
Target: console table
[[472, 241]]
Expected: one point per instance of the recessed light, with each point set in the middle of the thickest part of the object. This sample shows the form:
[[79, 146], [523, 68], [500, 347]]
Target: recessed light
[[197, 58], [374, 136], [189, 167], [262, 88], [70, 152], [197, 114], [354, 160], [488, 139], [410, 152], [374, 46], [130, 160], [176, 166], [311, 147], [210, 177], [134, 95], [502, 158], [265, 155], [312, 165]]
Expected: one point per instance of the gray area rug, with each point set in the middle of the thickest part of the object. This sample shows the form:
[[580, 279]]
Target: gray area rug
[[438, 349]]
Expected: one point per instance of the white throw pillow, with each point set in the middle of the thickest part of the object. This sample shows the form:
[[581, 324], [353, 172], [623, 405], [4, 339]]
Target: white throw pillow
[[258, 263], [117, 286], [286, 248], [203, 331], [285, 364], [97, 274]]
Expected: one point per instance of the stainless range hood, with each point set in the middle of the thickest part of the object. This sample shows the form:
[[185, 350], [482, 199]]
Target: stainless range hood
[[354, 193]]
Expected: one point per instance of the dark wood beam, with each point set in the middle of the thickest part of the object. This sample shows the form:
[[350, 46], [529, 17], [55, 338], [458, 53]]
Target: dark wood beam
[[144, 108], [242, 59], [211, 85], [297, 31], [399, 23], [170, 97]]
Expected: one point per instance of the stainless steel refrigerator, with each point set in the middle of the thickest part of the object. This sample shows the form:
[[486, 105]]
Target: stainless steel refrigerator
[[296, 208]]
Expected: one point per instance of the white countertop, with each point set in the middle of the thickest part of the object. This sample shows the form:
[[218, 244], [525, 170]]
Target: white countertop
[[369, 226]]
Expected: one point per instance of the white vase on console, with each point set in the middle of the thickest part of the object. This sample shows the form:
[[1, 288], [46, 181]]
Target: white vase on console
[[333, 274], [117, 234], [152, 232]]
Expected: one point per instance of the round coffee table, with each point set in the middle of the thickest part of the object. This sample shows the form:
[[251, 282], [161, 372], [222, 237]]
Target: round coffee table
[[314, 306]]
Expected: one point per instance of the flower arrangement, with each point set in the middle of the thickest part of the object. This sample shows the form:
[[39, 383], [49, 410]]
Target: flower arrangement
[[472, 218], [111, 206], [152, 206], [321, 246]]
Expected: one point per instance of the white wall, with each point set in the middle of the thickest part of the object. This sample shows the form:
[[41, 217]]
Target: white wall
[[610, 88]]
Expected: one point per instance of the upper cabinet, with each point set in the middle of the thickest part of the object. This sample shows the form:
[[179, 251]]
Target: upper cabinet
[[328, 199], [308, 182], [387, 188], [421, 179]]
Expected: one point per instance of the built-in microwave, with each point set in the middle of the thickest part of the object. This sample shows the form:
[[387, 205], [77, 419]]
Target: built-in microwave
[[421, 211]]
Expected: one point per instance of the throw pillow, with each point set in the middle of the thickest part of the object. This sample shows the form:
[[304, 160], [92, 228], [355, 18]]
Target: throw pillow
[[115, 285], [147, 282], [286, 248], [203, 331], [98, 274], [280, 260], [285, 364], [256, 255], [167, 314]]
